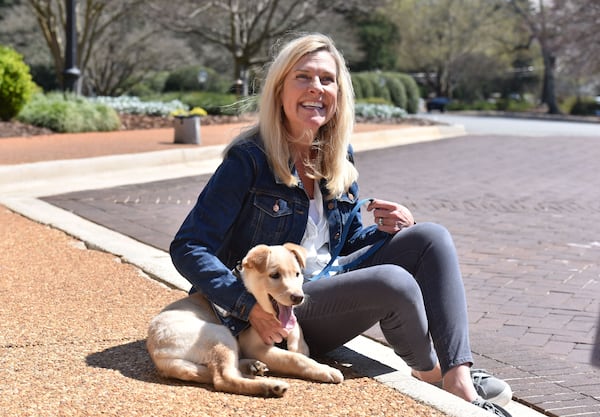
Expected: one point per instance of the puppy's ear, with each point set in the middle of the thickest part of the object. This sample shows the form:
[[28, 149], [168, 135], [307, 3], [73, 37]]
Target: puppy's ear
[[257, 258], [298, 251]]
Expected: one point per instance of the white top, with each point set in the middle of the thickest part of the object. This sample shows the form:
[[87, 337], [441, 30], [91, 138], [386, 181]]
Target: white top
[[316, 237]]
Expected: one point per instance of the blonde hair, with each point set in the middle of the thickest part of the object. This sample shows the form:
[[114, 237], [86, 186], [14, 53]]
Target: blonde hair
[[331, 163]]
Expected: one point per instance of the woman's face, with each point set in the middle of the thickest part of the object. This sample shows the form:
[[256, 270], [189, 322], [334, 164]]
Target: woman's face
[[309, 94]]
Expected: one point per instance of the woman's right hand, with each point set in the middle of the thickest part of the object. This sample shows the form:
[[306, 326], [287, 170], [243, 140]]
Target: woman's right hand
[[267, 325]]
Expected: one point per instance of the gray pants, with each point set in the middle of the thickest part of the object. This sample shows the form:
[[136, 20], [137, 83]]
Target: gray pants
[[412, 287]]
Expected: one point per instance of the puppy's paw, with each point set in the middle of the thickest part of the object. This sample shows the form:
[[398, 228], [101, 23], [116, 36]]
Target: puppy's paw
[[276, 388], [253, 367], [258, 368], [335, 375]]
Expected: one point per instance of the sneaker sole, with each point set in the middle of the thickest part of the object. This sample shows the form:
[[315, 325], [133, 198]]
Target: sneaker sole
[[503, 398]]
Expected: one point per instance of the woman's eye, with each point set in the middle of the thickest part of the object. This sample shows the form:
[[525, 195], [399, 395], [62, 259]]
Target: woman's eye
[[275, 275]]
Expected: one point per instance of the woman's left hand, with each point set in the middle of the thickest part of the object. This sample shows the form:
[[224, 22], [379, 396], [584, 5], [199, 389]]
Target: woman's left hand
[[390, 217]]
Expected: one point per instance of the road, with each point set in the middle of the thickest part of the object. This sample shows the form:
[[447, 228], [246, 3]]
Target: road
[[516, 126]]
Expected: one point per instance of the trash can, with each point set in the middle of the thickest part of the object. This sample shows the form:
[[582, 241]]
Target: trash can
[[187, 129]]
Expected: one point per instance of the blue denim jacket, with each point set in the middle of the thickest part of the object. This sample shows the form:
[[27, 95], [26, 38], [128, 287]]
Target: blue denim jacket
[[242, 205]]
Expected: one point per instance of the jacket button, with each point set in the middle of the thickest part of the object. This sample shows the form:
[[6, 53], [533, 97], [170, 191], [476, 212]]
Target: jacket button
[[337, 235], [351, 196], [276, 208], [330, 206]]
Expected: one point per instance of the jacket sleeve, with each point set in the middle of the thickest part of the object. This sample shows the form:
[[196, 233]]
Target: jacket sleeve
[[359, 236], [203, 233]]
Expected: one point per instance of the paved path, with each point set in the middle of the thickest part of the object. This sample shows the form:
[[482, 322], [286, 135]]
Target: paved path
[[525, 215]]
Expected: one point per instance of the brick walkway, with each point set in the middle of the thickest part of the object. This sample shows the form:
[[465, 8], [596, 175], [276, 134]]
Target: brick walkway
[[525, 215]]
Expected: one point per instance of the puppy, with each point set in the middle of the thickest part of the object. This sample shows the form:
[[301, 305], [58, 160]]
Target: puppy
[[187, 341]]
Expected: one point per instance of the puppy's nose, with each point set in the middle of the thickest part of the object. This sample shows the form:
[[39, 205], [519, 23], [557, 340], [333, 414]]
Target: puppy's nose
[[296, 299]]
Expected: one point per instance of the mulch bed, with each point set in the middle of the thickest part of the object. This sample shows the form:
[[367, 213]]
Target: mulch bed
[[138, 122]]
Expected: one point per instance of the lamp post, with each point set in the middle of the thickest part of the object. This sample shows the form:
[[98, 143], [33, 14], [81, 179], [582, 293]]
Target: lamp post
[[71, 73]]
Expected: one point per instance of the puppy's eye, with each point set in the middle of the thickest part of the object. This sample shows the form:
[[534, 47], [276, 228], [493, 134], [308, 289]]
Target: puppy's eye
[[275, 275]]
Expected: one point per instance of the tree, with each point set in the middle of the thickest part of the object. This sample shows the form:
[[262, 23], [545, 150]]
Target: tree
[[94, 18], [131, 51], [437, 35], [6, 4], [378, 36], [245, 28], [580, 39], [117, 47], [542, 27]]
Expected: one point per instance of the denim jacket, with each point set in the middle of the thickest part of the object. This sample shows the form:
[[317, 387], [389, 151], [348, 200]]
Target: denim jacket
[[245, 204]]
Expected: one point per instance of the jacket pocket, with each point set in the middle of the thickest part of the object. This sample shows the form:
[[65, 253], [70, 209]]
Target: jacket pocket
[[272, 206], [271, 220]]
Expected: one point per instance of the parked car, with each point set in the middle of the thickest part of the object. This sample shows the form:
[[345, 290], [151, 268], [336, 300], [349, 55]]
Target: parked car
[[437, 103]]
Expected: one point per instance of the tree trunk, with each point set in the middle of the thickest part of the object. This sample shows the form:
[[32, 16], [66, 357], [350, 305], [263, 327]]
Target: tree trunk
[[548, 93]]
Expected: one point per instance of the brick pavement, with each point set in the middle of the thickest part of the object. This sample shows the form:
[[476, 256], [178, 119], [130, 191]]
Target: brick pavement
[[525, 215]]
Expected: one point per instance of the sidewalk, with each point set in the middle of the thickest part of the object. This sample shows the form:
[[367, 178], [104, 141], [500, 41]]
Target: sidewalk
[[65, 360]]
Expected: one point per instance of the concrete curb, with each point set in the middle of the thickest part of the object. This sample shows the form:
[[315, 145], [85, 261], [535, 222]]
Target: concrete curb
[[48, 170], [16, 177], [20, 186]]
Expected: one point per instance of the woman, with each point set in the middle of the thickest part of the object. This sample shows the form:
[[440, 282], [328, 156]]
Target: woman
[[291, 179]]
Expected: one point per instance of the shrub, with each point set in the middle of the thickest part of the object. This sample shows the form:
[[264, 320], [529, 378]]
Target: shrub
[[357, 87], [585, 107], [186, 79], [396, 90], [133, 105], [512, 105], [379, 111], [69, 114], [479, 105], [16, 86], [367, 89], [413, 94], [395, 87], [153, 84], [378, 83], [374, 100], [219, 104]]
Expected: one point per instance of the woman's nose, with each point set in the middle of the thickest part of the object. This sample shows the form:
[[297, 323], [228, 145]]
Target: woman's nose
[[315, 85]]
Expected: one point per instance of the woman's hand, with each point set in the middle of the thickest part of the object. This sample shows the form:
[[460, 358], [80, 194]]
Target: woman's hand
[[267, 325], [390, 217]]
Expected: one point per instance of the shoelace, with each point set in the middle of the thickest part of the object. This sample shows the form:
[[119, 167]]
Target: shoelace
[[488, 406]]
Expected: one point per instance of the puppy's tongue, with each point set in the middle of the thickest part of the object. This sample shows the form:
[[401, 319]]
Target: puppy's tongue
[[286, 317]]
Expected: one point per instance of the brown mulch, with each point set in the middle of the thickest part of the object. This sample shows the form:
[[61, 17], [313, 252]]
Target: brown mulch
[[72, 341], [14, 128]]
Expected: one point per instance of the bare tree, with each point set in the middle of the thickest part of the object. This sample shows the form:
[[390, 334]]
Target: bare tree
[[94, 18], [542, 25], [580, 38], [131, 51], [245, 28]]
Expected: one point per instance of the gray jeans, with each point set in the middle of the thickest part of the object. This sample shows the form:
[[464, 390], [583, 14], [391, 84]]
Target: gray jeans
[[412, 287]]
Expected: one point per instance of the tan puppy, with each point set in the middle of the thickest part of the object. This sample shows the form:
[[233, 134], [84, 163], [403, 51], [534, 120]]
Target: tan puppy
[[188, 342]]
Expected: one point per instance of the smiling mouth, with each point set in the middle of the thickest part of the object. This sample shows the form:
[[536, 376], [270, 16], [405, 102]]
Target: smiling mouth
[[312, 105]]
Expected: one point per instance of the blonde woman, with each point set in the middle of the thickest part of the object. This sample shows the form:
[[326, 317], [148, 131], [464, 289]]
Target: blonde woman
[[291, 178]]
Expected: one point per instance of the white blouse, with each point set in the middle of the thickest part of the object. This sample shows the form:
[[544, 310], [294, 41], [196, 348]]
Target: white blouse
[[316, 237]]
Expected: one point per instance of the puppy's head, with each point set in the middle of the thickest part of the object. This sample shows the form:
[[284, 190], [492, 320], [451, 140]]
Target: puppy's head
[[273, 274]]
